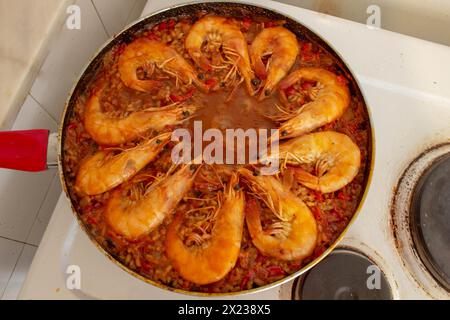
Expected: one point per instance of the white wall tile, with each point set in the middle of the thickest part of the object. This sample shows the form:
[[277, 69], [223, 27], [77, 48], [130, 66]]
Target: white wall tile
[[26, 29], [137, 10], [32, 116], [114, 13], [45, 212], [9, 253], [69, 53], [22, 193], [20, 272]]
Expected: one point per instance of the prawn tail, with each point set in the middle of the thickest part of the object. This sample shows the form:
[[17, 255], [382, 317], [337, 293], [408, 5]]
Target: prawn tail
[[252, 214], [306, 178], [260, 68], [146, 85]]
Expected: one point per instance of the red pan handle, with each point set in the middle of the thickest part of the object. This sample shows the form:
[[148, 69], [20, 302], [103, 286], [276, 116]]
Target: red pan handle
[[24, 150]]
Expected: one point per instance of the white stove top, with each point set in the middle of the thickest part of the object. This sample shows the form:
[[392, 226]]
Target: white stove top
[[405, 81]]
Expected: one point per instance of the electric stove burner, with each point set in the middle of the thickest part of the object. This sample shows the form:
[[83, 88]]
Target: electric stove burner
[[430, 219], [343, 275], [421, 220]]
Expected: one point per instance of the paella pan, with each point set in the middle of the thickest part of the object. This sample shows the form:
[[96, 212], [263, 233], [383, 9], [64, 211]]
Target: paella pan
[[216, 228]]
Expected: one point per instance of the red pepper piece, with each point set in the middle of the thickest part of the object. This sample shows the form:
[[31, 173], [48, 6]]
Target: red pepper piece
[[244, 282], [318, 196], [316, 212], [246, 279], [92, 220], [171, 24], [290, 91], [342, 80], [180, 98], [72, 126], [152, 36], [307, 56], [145, 265], [211, 82], [275, 271], [306, 47], [246, 23], [162, 26], [343, 196]]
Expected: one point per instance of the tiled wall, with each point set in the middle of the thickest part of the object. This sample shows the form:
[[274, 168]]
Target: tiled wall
[[27, 200]]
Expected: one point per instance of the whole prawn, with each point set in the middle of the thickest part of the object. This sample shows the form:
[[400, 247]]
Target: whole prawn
[[227, 33], [133, 219], [336, 157], [104, 171], [330, 102], [213, 260], [294, 236], [106, 130], [281, 45], [148, 54]]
